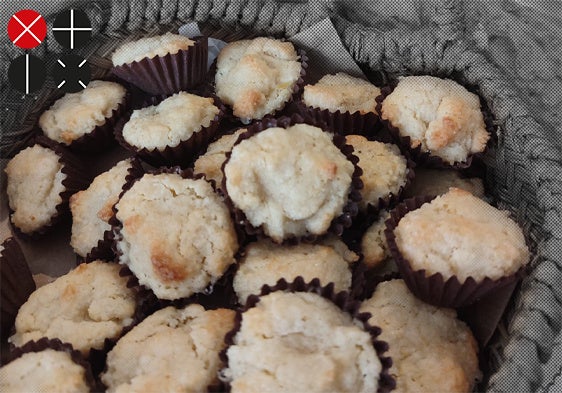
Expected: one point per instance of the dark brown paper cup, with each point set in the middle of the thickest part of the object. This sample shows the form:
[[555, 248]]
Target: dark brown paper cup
[[101, 137], [57, 345], [184, 70], [343, 123], [16, 286], [435, 289]]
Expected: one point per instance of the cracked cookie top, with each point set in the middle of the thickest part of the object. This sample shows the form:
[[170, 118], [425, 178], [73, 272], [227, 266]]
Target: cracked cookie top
[[177, 236], [439, 114]]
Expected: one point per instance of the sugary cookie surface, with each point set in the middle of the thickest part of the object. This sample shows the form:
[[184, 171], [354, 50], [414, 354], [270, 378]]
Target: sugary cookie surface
[[92, 208], [34, 185], [150, 47], [301, 342], [265, 262], [77, 114], [292, 181], [438, 114], [385, 170], [210, 163], [458, 234], [45, 371], [171, 350], [256, 77], [432, 351], [373, 243], [177, 234], [169, 123], [341, 92], [82, 308]]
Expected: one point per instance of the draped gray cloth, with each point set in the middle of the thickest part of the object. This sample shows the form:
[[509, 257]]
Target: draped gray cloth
[[511, 51]]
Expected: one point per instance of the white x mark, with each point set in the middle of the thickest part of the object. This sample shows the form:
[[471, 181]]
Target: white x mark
[[27, 29]]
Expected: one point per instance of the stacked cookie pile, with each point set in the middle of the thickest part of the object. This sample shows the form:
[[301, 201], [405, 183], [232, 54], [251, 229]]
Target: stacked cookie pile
[[245, 239]]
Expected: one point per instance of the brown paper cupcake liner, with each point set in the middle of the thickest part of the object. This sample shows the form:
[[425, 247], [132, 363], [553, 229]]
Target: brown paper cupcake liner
[[342, 300], [147, 299], [434, 289], [185, 152], [103, 250], [184, 70], [343, 123], [16, 286], [358, 278], [424, 158], [288, 108], [57, 345], [77, 178], [339, 223]]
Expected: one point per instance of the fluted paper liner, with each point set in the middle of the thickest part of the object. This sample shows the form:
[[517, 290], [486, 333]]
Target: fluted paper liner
[[435, 289], [344, 123], [184, 70], [185, 152], [44, 344], [342, 300], [17, 283], [103, 249], [339, 223]]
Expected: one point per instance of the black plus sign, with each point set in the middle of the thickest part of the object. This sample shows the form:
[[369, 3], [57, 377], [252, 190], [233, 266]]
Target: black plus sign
[[72, 28], [71, 73]]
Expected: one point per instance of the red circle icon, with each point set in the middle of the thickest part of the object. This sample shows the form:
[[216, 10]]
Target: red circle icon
[[27, 29]]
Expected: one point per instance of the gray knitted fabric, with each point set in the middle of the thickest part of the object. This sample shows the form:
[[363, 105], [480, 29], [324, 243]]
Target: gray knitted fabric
[[508, 50]]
